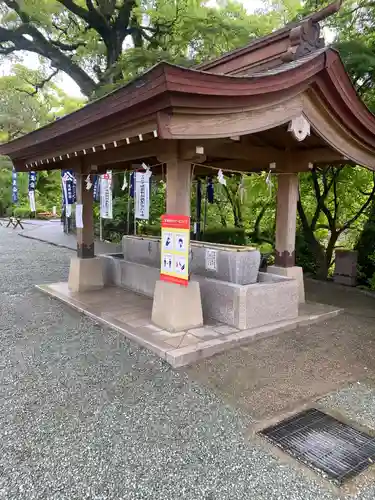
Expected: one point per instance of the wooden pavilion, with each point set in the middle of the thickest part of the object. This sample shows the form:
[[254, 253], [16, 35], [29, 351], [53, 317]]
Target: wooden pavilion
[[283, 100]]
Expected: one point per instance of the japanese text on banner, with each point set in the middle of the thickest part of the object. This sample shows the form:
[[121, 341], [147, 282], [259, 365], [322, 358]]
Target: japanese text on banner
[[14, 186], [32, 186], [142, 196], [106, 211], [68, 187]]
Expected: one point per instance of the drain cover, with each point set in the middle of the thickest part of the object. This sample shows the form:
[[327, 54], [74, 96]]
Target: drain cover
[[324, 443]]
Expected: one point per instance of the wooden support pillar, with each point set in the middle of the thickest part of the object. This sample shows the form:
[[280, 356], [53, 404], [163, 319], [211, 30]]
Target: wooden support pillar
[[178, 186], [85, 236], [176, 307], [286, 216], [85, 273]]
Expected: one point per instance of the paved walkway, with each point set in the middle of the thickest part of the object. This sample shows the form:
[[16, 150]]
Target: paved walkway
[[51, 232], [130, 314], [30, 222], [86, 414]]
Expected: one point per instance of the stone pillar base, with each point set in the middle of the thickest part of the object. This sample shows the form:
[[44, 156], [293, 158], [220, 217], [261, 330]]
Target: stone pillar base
[[294, 272], [85, 274], [177, 308]]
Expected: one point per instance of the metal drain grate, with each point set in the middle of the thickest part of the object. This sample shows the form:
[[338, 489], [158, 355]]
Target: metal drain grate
[[324, 443]]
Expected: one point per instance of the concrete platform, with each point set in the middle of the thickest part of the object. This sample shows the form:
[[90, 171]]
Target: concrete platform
[[273, 298], [130, 314]]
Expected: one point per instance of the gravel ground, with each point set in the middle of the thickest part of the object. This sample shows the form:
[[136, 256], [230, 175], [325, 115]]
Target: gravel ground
[[356, 402], [85, 414]]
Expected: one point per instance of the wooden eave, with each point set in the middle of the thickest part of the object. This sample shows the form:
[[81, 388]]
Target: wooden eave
[[146, 108]]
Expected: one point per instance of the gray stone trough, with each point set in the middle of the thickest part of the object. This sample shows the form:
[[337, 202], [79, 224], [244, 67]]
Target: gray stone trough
[[233, 290]]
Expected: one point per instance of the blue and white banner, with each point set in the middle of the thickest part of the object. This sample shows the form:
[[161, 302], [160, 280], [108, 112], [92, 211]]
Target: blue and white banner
[[210, 190], [68, 186], [132, 184], [32, 181], [96, 188], [14, 186]]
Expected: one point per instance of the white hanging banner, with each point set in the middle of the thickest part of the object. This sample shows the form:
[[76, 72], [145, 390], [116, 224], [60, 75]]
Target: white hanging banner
[[106, 211], [142, 195], [32, 201]]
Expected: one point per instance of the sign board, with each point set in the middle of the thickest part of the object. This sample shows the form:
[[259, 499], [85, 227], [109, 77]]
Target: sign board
[[211, 259], [142, 195], [106, 196], [175, 238]]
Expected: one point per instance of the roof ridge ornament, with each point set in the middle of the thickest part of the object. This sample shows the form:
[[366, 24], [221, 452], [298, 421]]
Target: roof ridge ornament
[[305, 37], [299, 127]]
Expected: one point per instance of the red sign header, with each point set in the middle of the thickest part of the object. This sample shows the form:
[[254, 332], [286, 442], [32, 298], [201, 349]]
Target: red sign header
[[175, 221]]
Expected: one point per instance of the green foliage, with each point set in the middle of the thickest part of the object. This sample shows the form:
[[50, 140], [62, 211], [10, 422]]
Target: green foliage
[[23, 212], [22, 109], [332, 208], [150, 230], [305, 257], [226, 236], [365, 248], [101, 44]]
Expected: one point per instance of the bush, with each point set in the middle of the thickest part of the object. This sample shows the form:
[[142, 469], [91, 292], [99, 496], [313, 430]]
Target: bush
[[371, 283], [150, 230], [23, 212], [222, 235], [114, 229], [304, 257], [365, 246], [3, 208], [225, 236]]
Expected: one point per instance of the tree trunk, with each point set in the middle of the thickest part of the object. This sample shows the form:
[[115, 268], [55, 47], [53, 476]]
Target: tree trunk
[[319, 254]]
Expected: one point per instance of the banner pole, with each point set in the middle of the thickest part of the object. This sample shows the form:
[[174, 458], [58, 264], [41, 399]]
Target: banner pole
[[128, 215], [205, 209], [135, 220], [135, 202]]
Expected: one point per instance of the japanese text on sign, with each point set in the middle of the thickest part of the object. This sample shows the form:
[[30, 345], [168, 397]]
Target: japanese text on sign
[[175, 237], [211, 260]]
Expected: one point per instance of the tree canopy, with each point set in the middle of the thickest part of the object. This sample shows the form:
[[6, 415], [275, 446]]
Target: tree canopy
[[100, 43]]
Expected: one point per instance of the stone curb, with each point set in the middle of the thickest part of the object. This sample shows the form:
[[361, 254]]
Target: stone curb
[[60, 245]]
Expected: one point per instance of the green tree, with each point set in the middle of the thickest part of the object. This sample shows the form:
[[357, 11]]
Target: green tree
[[24, 107], [332, 208], [336, 200], [99, 43]]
